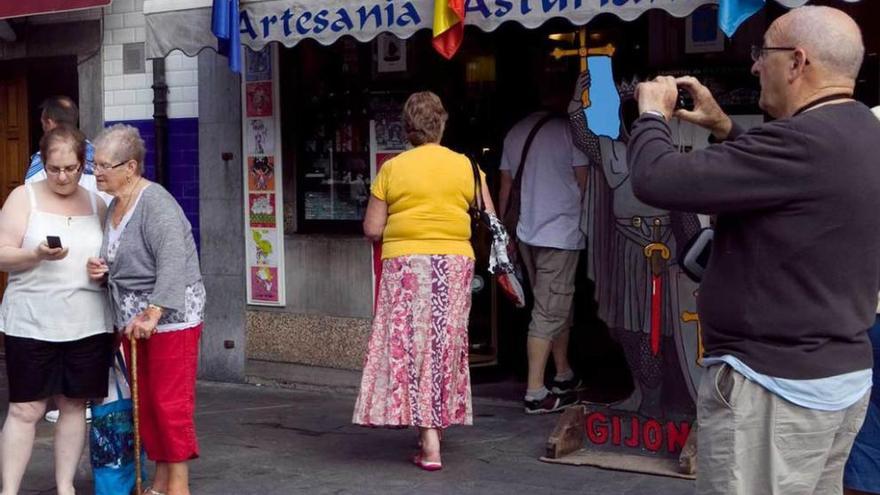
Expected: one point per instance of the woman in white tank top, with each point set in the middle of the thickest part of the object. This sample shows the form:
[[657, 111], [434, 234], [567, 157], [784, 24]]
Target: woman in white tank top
[[56, 321]]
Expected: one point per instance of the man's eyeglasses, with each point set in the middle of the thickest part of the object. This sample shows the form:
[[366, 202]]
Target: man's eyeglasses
[[105, 166], [759, 50], [69, 170]]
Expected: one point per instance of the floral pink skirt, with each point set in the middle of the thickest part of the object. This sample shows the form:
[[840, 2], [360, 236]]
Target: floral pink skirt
[[416, 369]]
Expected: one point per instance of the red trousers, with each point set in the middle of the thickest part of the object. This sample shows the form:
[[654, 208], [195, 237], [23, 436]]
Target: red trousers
[[166, 377]]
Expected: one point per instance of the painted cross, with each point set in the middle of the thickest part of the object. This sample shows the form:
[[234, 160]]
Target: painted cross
[[583, 52]]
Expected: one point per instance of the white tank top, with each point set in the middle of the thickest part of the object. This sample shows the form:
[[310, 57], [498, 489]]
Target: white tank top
[[55, 301]]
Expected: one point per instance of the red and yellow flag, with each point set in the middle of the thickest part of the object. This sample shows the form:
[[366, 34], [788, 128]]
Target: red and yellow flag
[[448, 26]]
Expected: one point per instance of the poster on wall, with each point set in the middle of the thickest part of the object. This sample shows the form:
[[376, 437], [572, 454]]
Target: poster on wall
[[261, 173], [702, 32], [260, 141], [261, 208], [388, 132], [259, 65], [258, 98], [261, 247], [264, 285], [261, 166], [390, 53]]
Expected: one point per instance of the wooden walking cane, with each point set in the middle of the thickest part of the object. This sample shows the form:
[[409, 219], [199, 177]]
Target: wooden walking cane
[[135, 411]]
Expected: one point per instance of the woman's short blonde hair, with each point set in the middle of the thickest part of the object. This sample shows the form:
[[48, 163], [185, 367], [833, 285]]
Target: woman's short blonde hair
[[424, 118], [124, 143]]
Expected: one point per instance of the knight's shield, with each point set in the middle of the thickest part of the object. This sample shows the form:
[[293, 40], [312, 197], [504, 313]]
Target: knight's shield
[[687, 330]]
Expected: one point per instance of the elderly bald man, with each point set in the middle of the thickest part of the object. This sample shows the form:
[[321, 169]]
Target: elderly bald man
[[791, 286]]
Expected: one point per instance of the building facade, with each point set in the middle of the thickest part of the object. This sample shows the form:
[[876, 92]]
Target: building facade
[[316, 108]]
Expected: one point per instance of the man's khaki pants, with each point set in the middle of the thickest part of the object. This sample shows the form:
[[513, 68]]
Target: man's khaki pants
[[551, 274], [753, 442]]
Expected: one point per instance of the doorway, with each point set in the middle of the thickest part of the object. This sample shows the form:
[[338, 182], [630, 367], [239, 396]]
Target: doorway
[[14, 135], [23, 86], [329, 96]]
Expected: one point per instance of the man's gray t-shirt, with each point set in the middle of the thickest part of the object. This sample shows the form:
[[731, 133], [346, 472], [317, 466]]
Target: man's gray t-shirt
[[550, 211]]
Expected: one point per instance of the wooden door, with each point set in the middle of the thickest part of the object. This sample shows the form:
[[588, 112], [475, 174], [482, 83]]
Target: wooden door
[[14, 139]]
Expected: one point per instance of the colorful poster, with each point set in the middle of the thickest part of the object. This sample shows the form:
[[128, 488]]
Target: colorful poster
[[260, 138], [261, 173], [258, 98], [259, 65], [261, 209], [262, 249], [262, 170], [264, 284]]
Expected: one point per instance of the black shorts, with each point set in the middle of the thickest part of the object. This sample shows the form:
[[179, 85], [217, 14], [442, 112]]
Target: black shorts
[[39, 370]]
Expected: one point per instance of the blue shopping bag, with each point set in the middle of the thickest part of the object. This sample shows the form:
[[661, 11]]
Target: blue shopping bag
[[111, 441]]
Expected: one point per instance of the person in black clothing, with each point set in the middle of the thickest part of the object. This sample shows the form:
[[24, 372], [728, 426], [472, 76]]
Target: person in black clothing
[[791, 286]]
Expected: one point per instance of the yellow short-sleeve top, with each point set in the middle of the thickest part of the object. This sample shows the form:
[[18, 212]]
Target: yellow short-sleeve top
[[427, 190]]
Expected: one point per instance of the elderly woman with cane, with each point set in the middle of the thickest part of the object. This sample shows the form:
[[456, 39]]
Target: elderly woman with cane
[[150, 262], [416, 371], [57, 327]]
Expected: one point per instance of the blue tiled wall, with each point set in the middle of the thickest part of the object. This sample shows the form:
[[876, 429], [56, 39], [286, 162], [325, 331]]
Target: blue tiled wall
[[183, 162]]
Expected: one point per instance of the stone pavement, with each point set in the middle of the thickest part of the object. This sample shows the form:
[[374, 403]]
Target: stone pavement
[[269, 440]]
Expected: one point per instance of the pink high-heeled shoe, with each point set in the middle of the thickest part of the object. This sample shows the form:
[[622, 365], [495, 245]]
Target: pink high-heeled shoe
[[419, 461]]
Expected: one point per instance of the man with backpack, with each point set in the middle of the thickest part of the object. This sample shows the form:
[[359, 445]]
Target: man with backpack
[[543, 177]]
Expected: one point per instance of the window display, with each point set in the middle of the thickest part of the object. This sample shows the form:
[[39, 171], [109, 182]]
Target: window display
[[336, 172], [332, 134]]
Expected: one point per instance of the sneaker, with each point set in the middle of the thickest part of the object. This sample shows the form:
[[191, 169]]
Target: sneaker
[[567, 386], [52, 416], [549, 404]]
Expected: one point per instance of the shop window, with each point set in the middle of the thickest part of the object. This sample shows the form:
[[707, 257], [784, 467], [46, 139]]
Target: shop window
[[325, 117], [341, 111]]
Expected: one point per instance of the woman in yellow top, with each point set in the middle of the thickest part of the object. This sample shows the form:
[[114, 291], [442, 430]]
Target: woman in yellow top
[[416, 369]]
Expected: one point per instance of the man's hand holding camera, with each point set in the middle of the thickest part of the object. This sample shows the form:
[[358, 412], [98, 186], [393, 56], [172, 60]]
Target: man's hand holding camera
[[661, 96]]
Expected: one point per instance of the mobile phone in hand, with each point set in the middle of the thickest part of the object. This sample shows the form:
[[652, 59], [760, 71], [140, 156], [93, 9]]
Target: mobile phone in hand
[[53, 241]]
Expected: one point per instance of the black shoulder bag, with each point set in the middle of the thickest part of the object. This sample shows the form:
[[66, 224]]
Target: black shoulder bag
[[510, 217]]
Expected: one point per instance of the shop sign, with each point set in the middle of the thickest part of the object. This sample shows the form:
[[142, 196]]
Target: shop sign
[[289, 21], [607, 429]]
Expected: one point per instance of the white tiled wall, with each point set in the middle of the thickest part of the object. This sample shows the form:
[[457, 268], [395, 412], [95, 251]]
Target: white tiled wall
[[130, 96]]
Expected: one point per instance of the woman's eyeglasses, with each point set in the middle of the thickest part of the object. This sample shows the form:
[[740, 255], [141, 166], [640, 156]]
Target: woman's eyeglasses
[[106, 166], [69, 170]]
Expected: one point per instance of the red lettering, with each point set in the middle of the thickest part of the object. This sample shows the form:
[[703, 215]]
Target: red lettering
[[597, 428], [653, 435], [676, 436], [615, 430], [633, 440]]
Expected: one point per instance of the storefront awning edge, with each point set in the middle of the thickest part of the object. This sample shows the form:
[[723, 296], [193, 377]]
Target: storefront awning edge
[[190, 30]]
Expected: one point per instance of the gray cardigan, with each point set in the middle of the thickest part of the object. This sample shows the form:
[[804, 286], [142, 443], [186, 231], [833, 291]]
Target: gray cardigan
[[156, 254]]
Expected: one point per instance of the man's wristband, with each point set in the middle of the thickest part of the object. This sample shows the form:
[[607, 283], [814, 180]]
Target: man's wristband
[[656, 113]]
